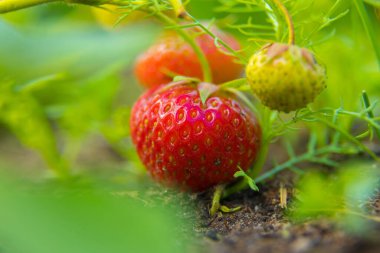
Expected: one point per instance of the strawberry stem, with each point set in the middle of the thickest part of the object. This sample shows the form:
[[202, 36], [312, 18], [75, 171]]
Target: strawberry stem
[[367, 105], [201, 57], [215, 204], [288, 20], [13, 5], [221, 42], [369, 28]]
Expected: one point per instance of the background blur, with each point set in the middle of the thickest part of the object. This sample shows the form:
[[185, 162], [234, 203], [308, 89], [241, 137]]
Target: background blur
[[66, 87]]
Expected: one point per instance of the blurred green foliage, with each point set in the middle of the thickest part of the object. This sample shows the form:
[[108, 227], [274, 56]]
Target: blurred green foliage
[[82, 217], [64, 79], [343, 196], [22, 113]]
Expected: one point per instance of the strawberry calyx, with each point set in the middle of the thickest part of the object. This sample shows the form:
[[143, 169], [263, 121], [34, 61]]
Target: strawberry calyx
[[186, 78], [206, 90], [235, 87], [275, 51]]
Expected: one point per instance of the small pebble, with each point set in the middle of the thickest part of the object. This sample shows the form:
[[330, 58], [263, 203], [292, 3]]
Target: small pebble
[[213, 235]]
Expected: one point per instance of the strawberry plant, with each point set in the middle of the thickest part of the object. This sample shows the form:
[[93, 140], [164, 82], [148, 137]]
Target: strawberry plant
[[306, 100]]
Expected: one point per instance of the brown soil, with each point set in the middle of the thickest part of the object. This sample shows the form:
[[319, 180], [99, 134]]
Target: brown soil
[[261, 226]]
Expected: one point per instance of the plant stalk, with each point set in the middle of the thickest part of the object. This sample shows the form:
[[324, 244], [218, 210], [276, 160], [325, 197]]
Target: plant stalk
[[215, 204], [367, 104], [14, 5], [207, 77], [225, 45], [288, 19], [368, 28]]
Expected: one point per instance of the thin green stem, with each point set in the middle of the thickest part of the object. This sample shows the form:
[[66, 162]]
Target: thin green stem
[[267, 121], [207, 77], [215, 204], [13, 5], [295, 160], [288, 164], [368, 28], [259, 165], [367, 105], [241, 185], [350, 138], [310, 156], [288, 19], [237, 187], [221, 42]]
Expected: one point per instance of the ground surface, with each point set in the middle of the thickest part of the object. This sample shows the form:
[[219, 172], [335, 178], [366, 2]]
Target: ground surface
[[260, 226]]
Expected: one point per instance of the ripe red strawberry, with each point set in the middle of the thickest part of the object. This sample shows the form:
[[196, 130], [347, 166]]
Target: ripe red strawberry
[[171, 55], [191, 145]]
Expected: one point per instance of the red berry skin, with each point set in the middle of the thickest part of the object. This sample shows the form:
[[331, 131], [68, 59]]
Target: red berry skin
[[172, 55], [192, 146]]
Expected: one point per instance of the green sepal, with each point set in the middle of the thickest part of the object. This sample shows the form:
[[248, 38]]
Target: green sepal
[[238, 84], [186, 78], [206, 90]]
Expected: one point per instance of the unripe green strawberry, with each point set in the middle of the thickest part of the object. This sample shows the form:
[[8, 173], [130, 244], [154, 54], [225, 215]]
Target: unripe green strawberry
[[171, 55], [189, 144], [285, 77]]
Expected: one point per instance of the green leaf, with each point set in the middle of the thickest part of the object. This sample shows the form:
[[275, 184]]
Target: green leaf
[[24, 116], [275, 17], [250, 181], [40, 82], [186, 78], [238, 84], [369, 28], [226, 209], [375, 3], [91, 106]]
